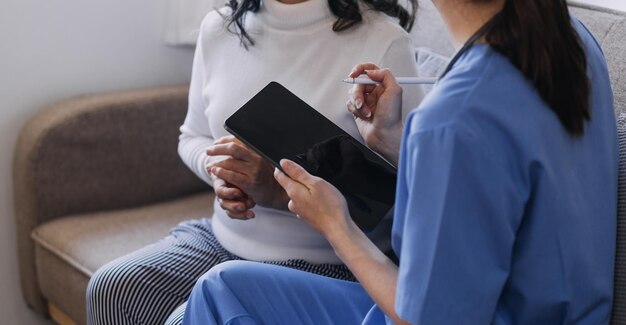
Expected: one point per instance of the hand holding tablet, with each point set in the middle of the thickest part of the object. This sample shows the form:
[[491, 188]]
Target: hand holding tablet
[[277, 124]]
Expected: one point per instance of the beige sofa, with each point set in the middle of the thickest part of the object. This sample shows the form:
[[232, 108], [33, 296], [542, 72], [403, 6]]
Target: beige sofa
[[98, 176]]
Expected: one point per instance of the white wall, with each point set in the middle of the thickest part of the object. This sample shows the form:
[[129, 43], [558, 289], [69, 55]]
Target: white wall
[[52, 49]]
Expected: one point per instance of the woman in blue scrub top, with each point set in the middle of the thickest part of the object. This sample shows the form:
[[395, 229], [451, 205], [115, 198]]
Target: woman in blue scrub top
[[506, 199]]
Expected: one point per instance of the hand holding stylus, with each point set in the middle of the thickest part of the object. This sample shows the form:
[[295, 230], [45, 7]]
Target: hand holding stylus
[[377, 109]]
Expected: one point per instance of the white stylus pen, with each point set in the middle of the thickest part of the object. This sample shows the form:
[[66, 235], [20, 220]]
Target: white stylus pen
[[400, 80]]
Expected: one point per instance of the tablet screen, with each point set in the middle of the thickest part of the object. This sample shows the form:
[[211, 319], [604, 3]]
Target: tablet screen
[[277, 124]]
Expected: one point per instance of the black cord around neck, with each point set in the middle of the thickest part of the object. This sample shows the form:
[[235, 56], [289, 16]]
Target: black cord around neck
[[471, 41]]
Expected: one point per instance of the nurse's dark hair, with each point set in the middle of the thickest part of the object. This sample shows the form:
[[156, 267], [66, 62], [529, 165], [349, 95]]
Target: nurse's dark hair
[[537, 36], [347, 12]]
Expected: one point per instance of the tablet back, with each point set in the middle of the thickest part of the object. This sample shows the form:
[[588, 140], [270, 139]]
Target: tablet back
[[277, 124]]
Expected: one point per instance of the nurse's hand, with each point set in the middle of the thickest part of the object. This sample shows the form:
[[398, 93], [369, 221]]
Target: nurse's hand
[[246, 170], [377, 110], [314, 200]]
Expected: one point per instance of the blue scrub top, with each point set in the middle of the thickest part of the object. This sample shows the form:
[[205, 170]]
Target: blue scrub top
[[501, 216]]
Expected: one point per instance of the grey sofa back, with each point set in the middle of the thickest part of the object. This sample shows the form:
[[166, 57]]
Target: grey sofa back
[[609, 29]]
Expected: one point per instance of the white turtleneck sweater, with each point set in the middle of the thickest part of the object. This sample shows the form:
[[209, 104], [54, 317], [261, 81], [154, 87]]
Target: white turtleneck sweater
[[295, 46]]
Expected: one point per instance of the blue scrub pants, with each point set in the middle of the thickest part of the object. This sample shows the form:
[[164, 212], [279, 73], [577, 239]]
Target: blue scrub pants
[[241, 292]]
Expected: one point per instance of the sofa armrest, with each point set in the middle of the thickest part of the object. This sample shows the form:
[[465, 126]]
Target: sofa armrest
[[95, 153]]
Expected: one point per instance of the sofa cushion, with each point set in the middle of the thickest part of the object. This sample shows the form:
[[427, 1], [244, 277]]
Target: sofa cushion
[[430, 64], [70, 249]]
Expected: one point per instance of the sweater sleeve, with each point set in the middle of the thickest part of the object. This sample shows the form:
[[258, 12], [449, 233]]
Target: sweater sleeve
[[195, 134], [400, 59]]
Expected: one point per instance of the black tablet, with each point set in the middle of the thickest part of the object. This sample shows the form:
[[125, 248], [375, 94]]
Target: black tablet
[[277, 124]]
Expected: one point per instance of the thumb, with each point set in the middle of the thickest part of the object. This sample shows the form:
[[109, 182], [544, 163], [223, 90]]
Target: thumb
[[296, 172]]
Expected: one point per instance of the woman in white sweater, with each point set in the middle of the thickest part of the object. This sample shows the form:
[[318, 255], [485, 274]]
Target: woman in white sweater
[[306, 46]]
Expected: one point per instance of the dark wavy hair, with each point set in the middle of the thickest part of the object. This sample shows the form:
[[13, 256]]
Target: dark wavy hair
[[346, 11], [537, 36]]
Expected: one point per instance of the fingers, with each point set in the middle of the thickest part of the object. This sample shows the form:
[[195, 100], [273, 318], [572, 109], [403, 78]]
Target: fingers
[[293, 188], [311, 197], [230, 163], [364, 99], [238, 209], [234, 149], [357, 96], [226, 139], [235, 203], [297, 172], [290, 186], [363, 114], [385, 77], [295, 179], [230, 176], [227, 192], [359, 69], [358, 91]]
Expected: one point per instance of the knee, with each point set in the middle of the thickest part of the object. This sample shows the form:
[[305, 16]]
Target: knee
[[226, 274], [107, 281], [227, 271], [217, 295]]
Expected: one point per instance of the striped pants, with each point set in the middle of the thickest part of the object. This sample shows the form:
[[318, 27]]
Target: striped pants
[[147, 286]]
